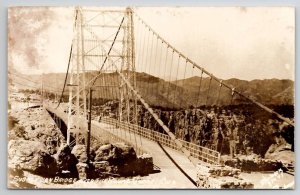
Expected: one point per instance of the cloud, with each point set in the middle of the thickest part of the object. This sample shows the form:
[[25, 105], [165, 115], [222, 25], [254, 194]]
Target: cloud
[[244, 42], [24, 29]]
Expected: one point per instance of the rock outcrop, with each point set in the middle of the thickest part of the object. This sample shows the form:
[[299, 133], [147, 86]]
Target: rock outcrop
[[79, 151], [66, 162], [144, 164], [254, 163], [121, 160], [35, 124], [31, 156], [282, 153], [116, 154], [220, 177]]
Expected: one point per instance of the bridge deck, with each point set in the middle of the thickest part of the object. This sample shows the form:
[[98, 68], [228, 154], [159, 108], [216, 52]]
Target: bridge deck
[[163, 157]]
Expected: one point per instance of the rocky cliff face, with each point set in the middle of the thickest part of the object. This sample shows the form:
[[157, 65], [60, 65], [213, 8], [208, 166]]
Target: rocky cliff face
[[31, 144]]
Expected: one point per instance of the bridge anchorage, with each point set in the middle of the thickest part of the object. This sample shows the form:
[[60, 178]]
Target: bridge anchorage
[[125, 83]]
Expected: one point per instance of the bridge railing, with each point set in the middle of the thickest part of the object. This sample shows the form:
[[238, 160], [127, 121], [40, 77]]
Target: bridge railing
[[106, 136], [202, 153], [99, 134]]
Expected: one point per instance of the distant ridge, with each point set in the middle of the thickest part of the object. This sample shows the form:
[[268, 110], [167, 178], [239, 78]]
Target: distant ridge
[[180, 93]]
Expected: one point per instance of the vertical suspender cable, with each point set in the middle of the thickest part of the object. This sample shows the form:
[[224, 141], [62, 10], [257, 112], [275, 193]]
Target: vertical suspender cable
[[165, 68], [218, 98], [209, 85], [158, 75], [183, 83], [174, 97], [199, 89], [169, 82]]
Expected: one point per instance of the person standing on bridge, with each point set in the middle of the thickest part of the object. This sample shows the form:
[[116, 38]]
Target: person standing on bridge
[[221, 129], [232, 131], [213, 144]]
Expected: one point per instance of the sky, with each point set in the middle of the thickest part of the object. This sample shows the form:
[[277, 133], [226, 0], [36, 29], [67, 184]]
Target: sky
[[230, 42]]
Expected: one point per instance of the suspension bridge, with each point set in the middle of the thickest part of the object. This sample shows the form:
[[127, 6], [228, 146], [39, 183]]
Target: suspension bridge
[[121, 74]]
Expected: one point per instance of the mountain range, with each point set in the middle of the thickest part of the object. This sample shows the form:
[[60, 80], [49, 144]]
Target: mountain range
[[193, 91]]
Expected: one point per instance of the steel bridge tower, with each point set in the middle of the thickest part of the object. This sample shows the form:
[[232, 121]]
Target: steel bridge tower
[[77, 106], [89, 61], [128, 101]]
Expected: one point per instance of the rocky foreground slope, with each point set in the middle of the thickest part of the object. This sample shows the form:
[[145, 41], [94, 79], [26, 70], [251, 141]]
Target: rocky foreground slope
[[37, 146]]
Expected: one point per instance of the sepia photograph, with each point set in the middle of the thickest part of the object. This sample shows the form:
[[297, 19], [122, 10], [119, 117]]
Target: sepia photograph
[[150, 97]]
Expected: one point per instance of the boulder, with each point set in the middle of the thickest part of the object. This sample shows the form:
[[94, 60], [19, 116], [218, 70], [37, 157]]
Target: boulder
[[66, 162], [101, 169], [79, 152], [282, 153], [144, 164], [126, 153], [120, 159], [82, 169], [106, 153], [102, 166], [31, 156], [116, 154]]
